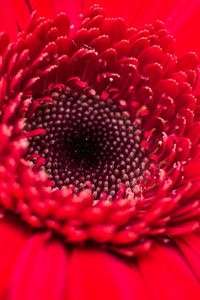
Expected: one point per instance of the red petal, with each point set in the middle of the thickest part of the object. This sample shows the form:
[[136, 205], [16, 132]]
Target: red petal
[[187, 246], [40, 272], [184, 25], [168, 276], [22, 12], [13, 238], [99, 275], [7, 19]]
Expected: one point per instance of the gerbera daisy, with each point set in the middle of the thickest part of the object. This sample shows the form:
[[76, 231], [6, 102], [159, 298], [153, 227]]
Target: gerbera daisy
[[99, 157]]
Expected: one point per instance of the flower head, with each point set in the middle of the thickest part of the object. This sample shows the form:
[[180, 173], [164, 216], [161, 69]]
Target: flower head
[[100, 132]]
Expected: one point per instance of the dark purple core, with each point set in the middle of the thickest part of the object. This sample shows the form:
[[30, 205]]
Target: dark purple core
[[88, 140]]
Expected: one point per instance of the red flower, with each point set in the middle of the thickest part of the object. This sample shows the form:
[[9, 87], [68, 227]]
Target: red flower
[[99, 156]]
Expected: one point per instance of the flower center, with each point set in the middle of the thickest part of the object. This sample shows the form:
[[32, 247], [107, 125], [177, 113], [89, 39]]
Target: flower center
[[88, 141]]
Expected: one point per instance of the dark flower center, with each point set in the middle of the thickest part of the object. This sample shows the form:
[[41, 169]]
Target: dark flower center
[[89, 141]]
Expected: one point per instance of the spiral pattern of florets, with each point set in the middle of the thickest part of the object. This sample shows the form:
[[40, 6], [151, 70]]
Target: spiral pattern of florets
[[88, 139]]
